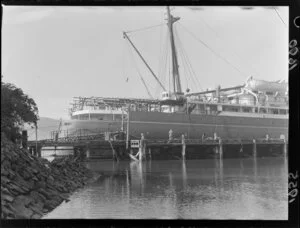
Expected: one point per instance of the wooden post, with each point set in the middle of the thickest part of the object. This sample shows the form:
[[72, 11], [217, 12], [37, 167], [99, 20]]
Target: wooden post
[[36, 139], [122, 124], [142, 147], [220, 148], [140, 153], [114, 152], [24, 139], [39, 151], [254, 149], [128, 126], [285, 145], [115, 155], [88, 154], [149, 151], [267, 137], [183, 146], [170, 135], [215, 136]]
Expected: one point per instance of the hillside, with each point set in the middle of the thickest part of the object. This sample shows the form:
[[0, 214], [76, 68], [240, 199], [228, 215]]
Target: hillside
[[45, 126]]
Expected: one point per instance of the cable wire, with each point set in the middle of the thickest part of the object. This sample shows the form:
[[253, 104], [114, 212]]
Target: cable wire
[[209, 48], [216, 34], [145, 28], [141, 77], [280, 17], [188, 62]]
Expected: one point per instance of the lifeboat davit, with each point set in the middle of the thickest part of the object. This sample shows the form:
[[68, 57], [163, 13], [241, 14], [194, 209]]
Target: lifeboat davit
[[265, 86]]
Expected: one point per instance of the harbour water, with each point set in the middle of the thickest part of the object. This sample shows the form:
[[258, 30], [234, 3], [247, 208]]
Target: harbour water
[[245, 188]]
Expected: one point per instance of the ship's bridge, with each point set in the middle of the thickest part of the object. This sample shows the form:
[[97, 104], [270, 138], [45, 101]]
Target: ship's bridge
[[166, 96]]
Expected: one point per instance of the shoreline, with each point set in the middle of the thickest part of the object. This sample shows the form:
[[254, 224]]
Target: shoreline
[[31, 187]]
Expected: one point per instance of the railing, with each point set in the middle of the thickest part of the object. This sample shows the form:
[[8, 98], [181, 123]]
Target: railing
[[82, 135]]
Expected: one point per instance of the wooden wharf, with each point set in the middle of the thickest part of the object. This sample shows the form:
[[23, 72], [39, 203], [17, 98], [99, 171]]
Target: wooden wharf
[[140, 149]]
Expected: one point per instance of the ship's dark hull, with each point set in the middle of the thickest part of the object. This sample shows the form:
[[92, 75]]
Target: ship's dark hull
[[158, 125]]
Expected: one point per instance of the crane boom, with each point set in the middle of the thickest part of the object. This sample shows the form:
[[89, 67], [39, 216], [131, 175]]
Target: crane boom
[[137, 51]]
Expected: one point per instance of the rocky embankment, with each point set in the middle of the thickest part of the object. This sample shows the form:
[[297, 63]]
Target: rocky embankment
[[31, 186]]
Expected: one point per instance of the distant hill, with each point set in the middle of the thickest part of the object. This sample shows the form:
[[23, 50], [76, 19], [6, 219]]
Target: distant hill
[[45, 126]]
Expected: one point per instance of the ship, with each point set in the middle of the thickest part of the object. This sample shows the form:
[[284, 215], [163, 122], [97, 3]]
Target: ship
[[254, 109]]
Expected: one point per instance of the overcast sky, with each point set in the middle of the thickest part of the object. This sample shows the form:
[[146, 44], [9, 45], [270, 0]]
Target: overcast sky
[[56, 53]]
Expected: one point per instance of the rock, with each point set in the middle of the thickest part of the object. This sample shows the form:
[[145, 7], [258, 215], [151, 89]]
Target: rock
[[20, 209], [7, 197], [26, 174], [36, 216], [64, 197], [34, 178], [4, 180], [61, 188], [24, 199], [45, 210], [55, 171], [51, 192], [35, 171], [49, 205], [37, 210], [11, 174], [22, 212], [47, 183], [15, 189], [40, 184], [5, 190], [5, 163], [19, 181], [4, 172], [56, 200], [7, 212], [24, 185], [50, 178], [14, 166], [44, 193], [37, 197]]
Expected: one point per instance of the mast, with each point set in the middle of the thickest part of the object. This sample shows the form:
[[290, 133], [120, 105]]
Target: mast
[[176, 78]]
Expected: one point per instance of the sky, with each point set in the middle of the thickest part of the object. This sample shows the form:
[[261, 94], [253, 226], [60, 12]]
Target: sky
[[55, 53]]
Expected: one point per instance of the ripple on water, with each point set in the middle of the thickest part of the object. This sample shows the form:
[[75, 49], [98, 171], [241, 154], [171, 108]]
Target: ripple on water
[[202, 189]]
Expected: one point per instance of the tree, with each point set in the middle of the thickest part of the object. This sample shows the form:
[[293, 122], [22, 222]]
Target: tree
[[17, 108]]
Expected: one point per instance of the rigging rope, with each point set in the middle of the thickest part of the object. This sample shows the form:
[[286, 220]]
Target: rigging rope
[[280, 17], [141, 77], [161, 74], [189, 67], [123, 62], [163, 65], [216, 34], [188, 62], [182, 57], [145, 28], [209, 48]]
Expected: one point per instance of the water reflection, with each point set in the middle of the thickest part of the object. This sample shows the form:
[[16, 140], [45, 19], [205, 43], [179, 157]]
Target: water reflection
[[137, 176], [184, 178], [202, 189]]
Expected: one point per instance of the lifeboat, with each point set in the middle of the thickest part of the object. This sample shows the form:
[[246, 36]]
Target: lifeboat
[[265, 86]]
